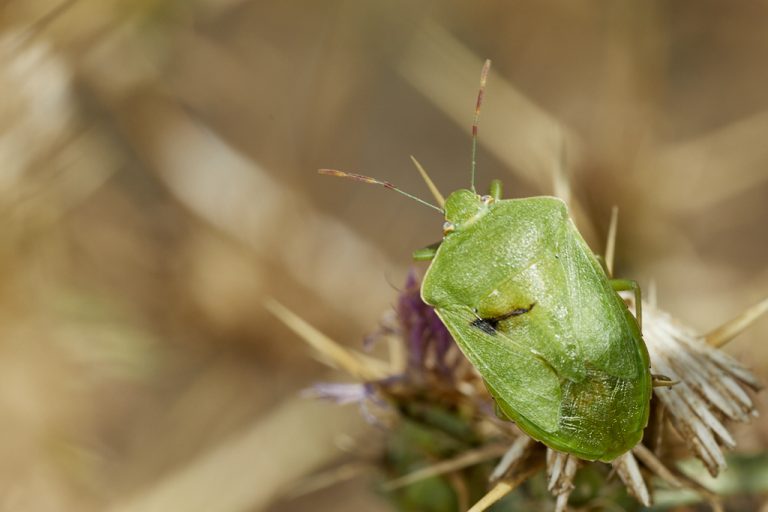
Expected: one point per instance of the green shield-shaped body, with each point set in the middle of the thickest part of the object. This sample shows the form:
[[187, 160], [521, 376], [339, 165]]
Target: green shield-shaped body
[[532, 309]]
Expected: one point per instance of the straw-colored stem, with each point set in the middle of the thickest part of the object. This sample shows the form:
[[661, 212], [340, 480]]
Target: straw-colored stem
[[505, 487], [732, 328], [464, 460], [430, 184], [610, 245], [357, 365]]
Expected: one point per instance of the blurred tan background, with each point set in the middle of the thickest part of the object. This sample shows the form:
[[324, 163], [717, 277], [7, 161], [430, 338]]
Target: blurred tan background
[[157, 183]]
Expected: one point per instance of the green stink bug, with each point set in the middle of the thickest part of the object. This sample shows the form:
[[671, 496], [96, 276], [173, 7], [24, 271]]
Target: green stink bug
[[533, 310]]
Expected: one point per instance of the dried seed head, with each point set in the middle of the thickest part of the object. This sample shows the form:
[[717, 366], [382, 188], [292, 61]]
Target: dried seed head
[[711, 387]]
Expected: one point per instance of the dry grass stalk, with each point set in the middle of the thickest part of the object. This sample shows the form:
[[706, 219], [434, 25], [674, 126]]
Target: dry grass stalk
[[507, 485], [470, 458]]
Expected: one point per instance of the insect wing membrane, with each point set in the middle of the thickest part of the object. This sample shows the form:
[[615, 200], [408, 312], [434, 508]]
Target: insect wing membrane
[[508, 368]]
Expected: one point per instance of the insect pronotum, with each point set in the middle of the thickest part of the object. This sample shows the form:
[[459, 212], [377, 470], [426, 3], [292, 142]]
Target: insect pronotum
[[534, 311]]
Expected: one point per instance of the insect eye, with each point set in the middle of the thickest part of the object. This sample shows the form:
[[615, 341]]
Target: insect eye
[[486, 199], [448, 227]]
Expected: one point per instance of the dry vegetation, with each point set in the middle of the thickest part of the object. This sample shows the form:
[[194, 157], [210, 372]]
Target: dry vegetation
[[157, 183]]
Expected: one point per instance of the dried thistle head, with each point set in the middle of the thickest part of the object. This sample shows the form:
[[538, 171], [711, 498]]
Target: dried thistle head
[[445, 440], [446, 411]]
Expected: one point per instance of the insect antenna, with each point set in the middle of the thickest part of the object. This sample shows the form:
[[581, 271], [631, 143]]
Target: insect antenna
[[480, 93], [374, 181]]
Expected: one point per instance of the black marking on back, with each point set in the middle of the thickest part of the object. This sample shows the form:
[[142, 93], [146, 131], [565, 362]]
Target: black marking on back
[[487, 326], [490, 325], [515, 312]]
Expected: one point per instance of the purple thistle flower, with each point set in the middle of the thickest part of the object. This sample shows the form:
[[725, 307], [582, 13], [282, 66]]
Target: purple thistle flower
[[361, 393], [427, 339], [340, 392]]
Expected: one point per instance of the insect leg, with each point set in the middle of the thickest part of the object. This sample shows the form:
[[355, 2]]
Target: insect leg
[[621, 285], [660, 381], [426, 253], [495, 190]]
